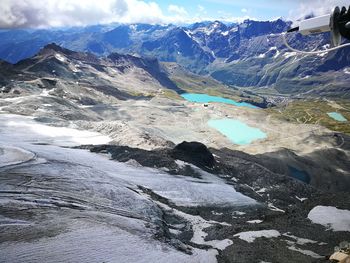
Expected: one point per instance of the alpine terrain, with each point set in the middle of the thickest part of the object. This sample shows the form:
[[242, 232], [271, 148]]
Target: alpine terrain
[[205, 142]]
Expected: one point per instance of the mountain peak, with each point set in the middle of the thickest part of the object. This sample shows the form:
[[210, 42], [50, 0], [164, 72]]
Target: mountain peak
[[56, 48], [53, 48]]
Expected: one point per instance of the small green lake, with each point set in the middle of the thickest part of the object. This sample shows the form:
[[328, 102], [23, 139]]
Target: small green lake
[[236, 131], [205, 98], [337, 116]]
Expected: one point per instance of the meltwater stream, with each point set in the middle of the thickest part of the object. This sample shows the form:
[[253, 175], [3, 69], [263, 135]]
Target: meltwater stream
[[60, 204]]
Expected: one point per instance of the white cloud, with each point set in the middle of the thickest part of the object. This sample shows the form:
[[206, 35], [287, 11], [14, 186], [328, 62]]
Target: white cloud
[[143, 12], [227, 17], [60, 13], [244, 10], [57, 13], [178, 10]]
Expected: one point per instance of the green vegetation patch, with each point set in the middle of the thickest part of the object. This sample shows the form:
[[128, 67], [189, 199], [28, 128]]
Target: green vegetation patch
[[315, 112]]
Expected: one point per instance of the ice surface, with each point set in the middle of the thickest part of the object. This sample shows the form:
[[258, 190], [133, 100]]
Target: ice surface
[[98, 244], [97, 200], [35, 131], [331, 217], [13, 155]]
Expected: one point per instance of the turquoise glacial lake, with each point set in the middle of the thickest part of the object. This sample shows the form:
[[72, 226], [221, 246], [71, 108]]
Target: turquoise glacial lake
[[337, 116], [236, 131], [204, 98]]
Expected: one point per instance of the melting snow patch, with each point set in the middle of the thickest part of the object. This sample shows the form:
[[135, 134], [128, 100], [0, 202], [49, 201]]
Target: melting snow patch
[[257, 221], [277, 54], [181, 164], [60, 57], [289, 54], [274, 208], [322, 54], [198, 224], [74, 68], [300, 241], [216, 213], [250, 236], [301, 199], [16, 99], [239, 213], [347, 71], [305, 252], [45, 93], [331, 217], [262, 190]]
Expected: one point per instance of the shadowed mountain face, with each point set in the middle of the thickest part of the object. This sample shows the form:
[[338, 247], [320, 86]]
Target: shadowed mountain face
[[248, 54]]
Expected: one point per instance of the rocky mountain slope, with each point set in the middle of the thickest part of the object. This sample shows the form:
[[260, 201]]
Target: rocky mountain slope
[[250, 54], [59, 85]]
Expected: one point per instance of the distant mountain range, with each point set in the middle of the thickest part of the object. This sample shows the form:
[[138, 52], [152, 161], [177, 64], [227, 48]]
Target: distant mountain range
[[250, 54]]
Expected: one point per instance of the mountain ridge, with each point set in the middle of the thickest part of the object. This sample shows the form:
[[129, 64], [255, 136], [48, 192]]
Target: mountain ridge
[[249, 54]]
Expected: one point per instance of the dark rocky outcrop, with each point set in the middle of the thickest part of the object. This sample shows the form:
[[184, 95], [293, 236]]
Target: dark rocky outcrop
[[191, 152], [195, 153]]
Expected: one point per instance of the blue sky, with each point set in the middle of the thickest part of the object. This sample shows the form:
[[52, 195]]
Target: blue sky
[[259, 9], [62, 13]]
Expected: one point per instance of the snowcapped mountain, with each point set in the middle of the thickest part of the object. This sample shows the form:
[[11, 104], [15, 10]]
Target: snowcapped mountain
[[248, 54]]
